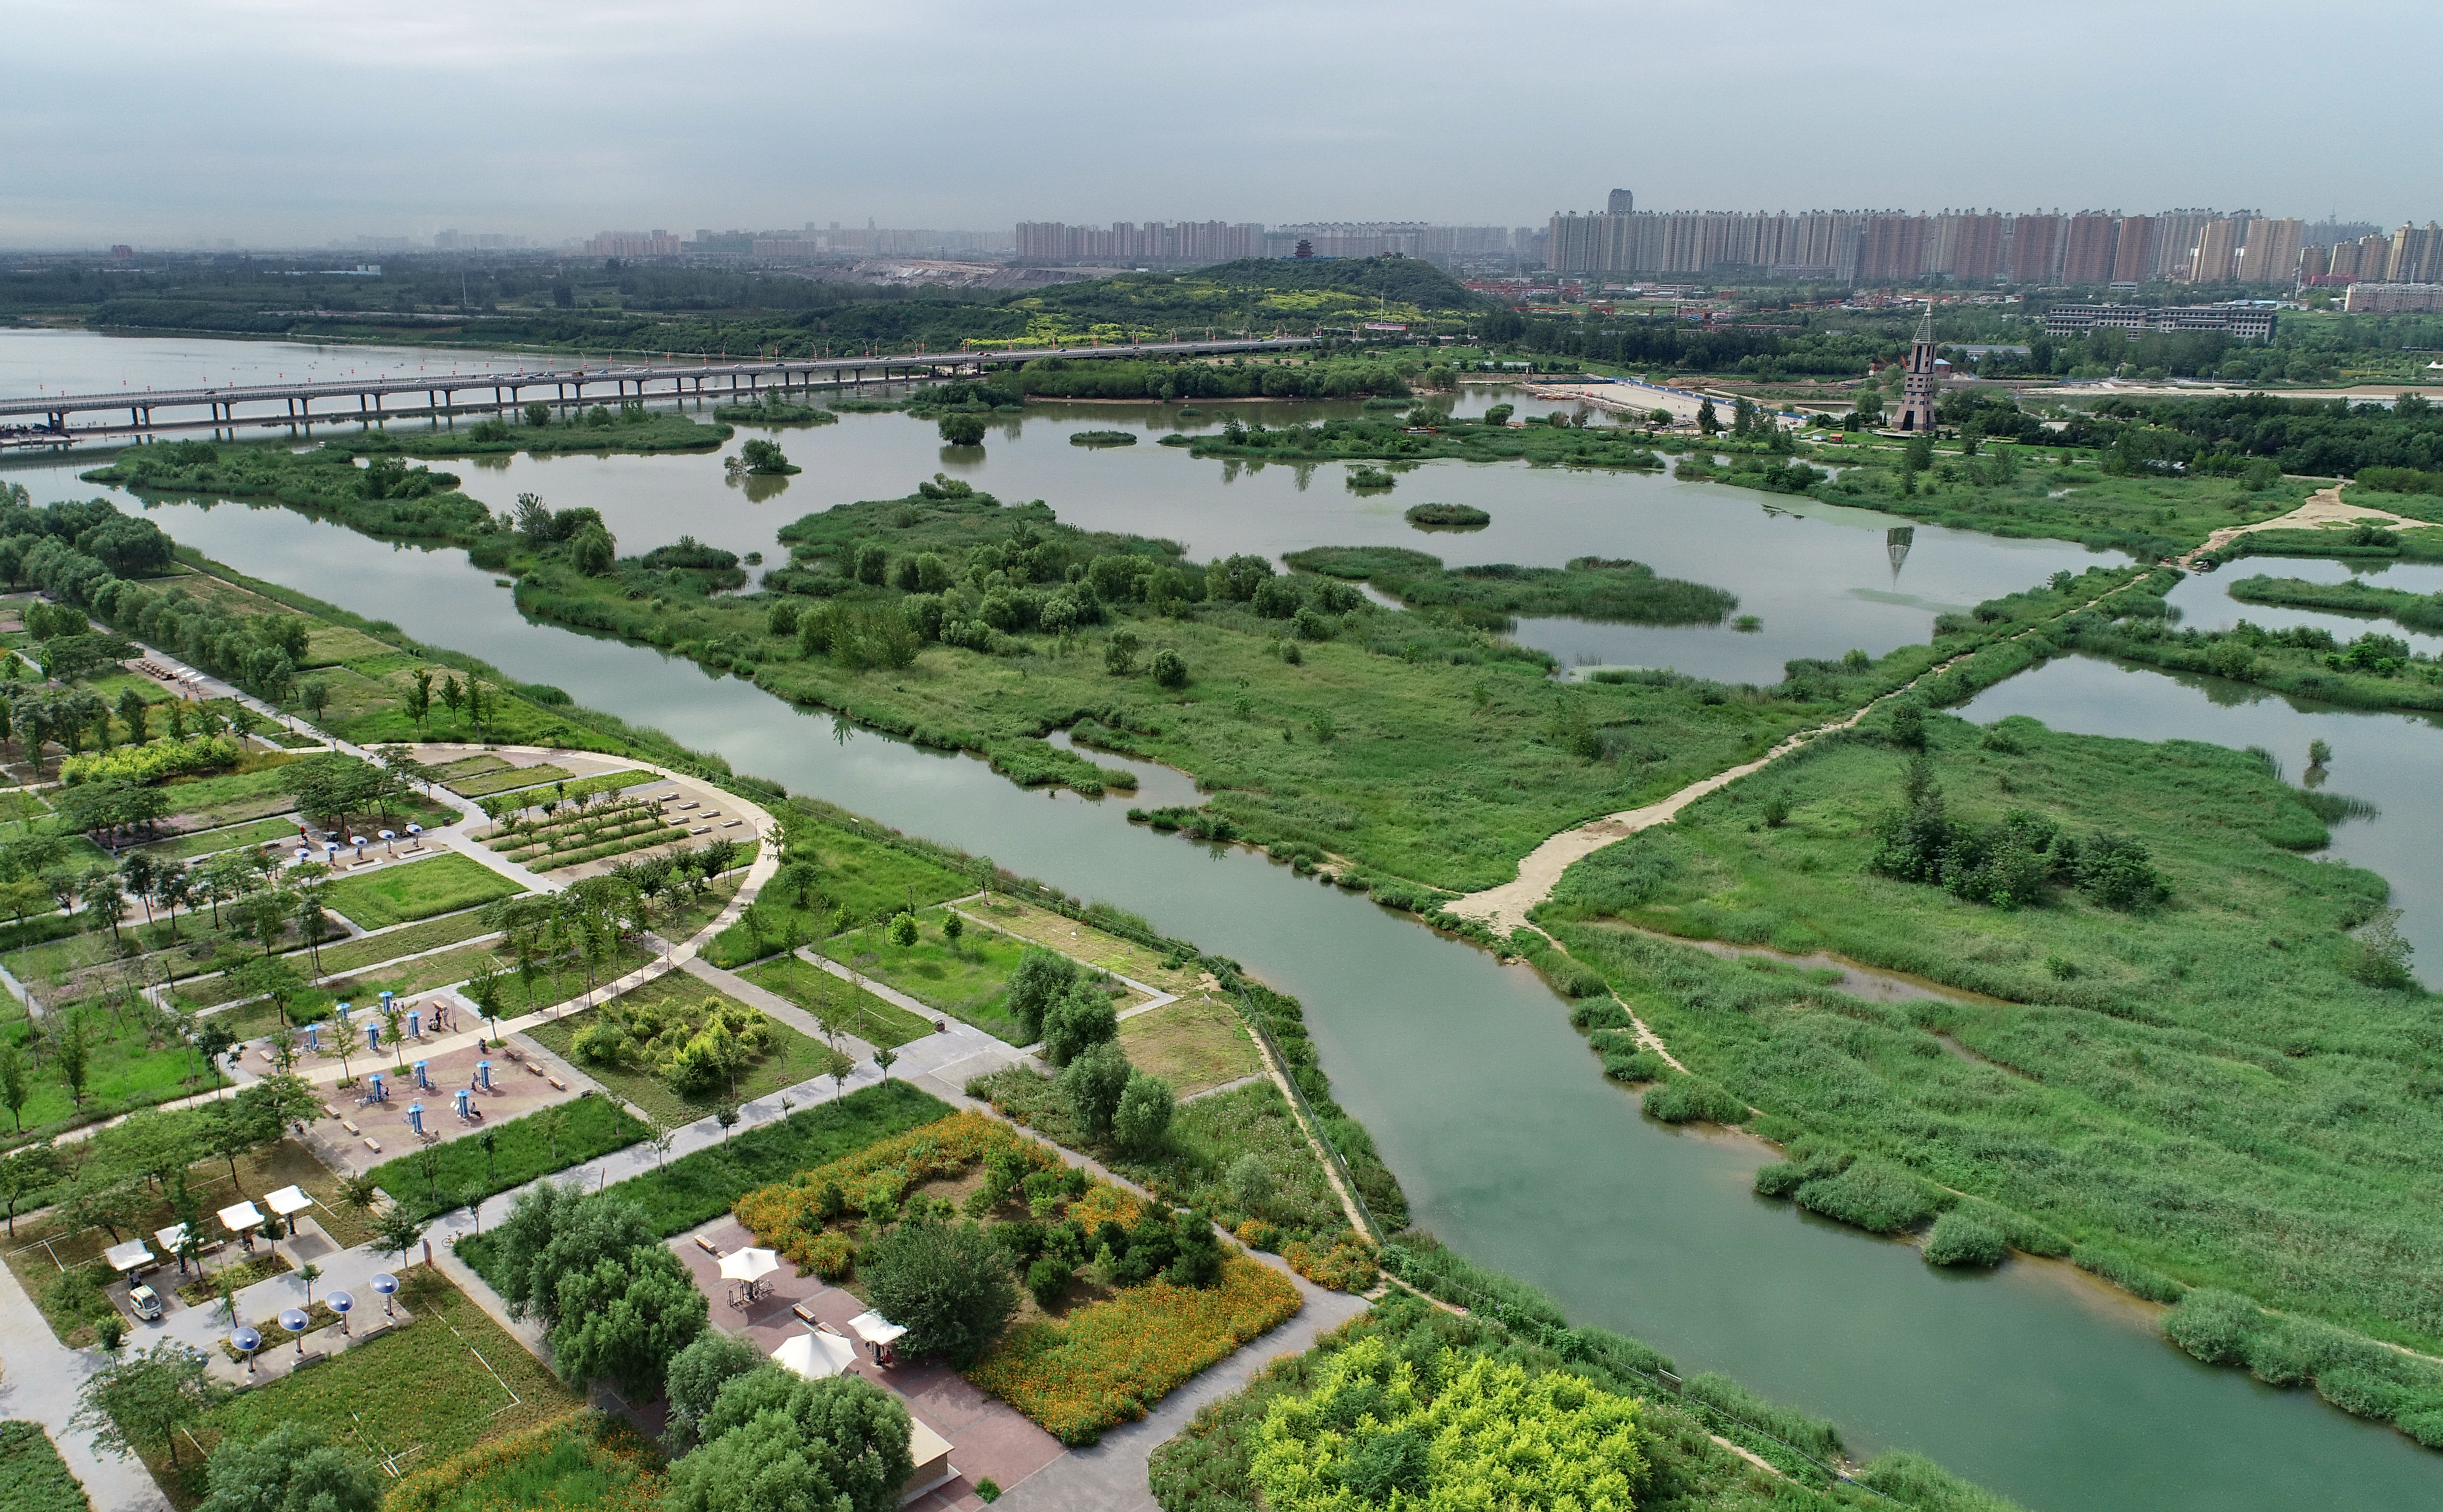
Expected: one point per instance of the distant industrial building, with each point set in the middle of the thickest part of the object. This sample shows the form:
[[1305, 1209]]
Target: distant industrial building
[[633, 244], [2246, 323], [2395, 299]]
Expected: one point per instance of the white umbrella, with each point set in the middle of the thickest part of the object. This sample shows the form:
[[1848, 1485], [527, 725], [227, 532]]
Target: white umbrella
[[749, 1264], [815, 1355]]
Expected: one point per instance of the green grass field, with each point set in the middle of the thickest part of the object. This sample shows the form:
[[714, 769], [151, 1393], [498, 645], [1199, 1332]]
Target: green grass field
[[33, 1478], [846, 1007], [418, 890], [522, 1149], [792, 1058], [967, 981], [126, 1068], [861, 876], [447, 1382], [228, 838], [2201, 1083]]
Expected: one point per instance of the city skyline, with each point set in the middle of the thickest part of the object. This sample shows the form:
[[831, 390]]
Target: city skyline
[[517, 122]]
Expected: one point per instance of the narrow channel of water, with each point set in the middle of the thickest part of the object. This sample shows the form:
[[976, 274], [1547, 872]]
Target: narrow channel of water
[[2033, 1380]]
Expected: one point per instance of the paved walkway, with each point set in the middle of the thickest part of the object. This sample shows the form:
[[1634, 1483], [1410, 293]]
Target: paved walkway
[[39, 1382]]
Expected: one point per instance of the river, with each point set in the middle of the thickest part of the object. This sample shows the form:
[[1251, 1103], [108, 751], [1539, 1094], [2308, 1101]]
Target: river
[[2033, 1380]]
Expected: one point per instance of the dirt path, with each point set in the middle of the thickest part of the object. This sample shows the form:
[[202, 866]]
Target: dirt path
[[1505, 907], [2324, 506]]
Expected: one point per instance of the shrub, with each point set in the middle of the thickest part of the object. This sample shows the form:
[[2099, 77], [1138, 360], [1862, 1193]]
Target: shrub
[[1095, 1081], [1141, 1123], [962, 429], [1169, 669], [1634, 1065], [1692, 1099], [1081, 1018], [1346, 1265], [831, 1256], [1375, 1431], [1958, 1239], [2214, 1325], [1871, 1195], [2361, 1394], [2127, 1273]]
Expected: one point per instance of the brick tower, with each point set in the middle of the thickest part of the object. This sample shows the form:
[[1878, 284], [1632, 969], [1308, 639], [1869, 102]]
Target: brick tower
[[1917, 387]]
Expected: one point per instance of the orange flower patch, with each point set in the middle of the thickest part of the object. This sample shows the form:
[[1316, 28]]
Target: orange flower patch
[[1107, 1362]]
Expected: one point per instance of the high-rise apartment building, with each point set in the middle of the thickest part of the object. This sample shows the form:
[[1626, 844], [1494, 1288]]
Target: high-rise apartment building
[[2088, 254], [1621, 203], [2215, 257], [2270, 253], [1209, 241], [2415, 255], [2035, 248], [2134, 251]]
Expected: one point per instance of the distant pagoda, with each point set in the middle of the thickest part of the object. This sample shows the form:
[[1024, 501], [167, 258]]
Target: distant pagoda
[[1916, 389]]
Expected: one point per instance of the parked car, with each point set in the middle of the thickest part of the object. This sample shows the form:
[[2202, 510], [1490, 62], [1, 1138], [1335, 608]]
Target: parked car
[[145, 1301]]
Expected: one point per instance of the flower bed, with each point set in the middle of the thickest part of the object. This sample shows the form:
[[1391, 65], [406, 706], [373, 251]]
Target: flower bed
[[1346, 1265], [1107, 1362]]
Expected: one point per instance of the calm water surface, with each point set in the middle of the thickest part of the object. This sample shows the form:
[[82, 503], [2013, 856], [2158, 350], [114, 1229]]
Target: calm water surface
[[2033, 1380]]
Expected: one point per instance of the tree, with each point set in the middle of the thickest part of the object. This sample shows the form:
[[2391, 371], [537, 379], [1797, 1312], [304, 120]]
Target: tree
[[774, 1443], [1707, 421], [953, 926], [131, 711], [292, 1468], [697, 1375], [962, 429], [594, 550], [552, 1232], [16, 1082], [419, 697], [903, 931], [100, 891], [623, 1317], [314, 696], [1042, 976], [27, 1174], [1142, 1120], [137, 1404], [1120, 653], [1083, 1016], [1095, 1081], [947, 1285], [397, 1230], [72, 1054]]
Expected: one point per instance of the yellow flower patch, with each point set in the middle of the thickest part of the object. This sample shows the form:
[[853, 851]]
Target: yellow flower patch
[[1107, 1362]]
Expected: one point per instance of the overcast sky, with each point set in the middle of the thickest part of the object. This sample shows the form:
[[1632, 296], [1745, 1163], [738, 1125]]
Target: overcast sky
[[278, 122]]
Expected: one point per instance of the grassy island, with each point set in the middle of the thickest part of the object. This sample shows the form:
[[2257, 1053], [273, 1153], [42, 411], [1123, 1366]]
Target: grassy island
[[2173, 1049]]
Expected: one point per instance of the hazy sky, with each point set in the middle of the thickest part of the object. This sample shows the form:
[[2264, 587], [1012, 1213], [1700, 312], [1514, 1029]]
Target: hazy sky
[[272, 121]]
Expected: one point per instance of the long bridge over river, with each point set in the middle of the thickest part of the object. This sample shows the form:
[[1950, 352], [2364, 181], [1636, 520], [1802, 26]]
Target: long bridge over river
[[49, 420]]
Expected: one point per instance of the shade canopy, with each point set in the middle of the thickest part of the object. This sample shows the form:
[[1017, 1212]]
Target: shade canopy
[[875, 1329], [815, 1355], [294, 1320], [289, 1200], [749, 1264], [245, 1215], [129, 1256], [171, 1239]]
